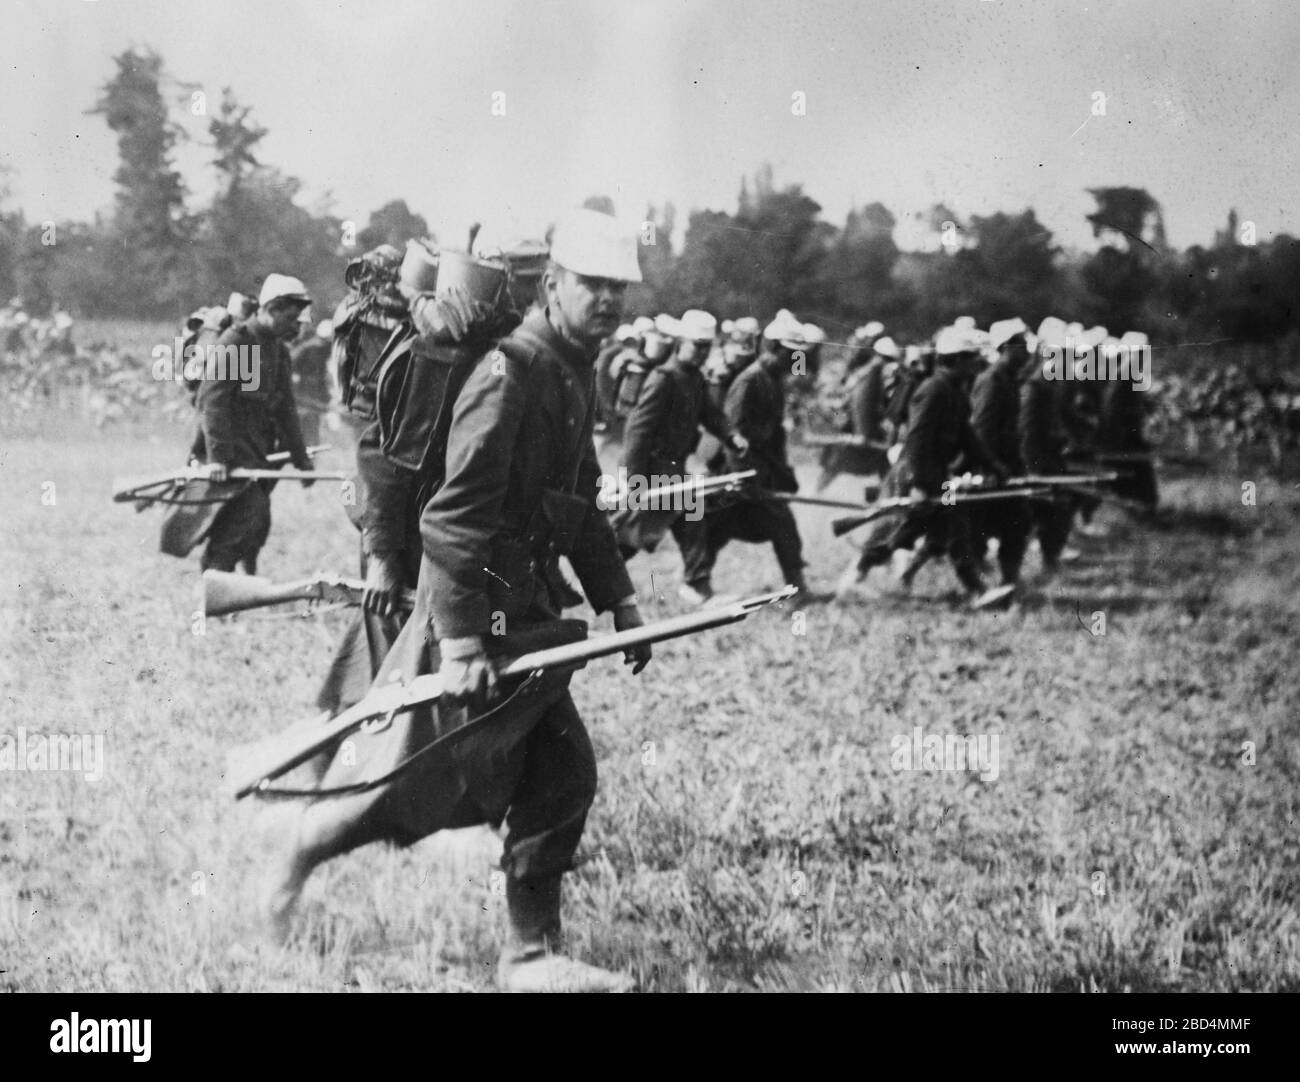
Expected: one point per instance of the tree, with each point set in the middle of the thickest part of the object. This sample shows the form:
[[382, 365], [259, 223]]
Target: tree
[[394, 224], [1125, 215], [150, 230]]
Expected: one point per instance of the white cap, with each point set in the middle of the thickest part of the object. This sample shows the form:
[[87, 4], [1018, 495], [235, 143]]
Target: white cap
[[1074, 330], [277, 286], [728, 325], [964, 323], [1001, 332], [325, 328], [912, 354], [1052, 332], [873, 329], [235, 306], [595, 245], [745, 326], [1095, 336], [813, 335], [953, 340], [1135, 338], [697, 325], [886, 347], [642, 324], [785, 329], [666, 325], [626, 333]]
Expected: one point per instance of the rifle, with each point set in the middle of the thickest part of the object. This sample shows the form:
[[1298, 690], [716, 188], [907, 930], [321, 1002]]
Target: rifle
[[275, 756], [225, 592], [841, 526], [163, 488], [703, 485]]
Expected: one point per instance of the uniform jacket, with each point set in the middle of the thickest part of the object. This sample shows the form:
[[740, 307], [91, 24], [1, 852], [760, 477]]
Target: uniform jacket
[[1043, 432], [866, 402], [995, 414], [516, 430], [664, 427], [755, 409], [241, 426], [939, 433]]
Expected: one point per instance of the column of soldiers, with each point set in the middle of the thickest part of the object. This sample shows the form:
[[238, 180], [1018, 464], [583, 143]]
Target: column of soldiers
[[483, 383]]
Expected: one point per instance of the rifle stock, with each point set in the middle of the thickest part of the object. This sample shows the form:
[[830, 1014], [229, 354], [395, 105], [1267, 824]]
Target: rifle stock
[[262, 762], [225, 592]]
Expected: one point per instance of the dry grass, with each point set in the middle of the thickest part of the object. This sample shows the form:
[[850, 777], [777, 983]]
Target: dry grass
[[749, 832]]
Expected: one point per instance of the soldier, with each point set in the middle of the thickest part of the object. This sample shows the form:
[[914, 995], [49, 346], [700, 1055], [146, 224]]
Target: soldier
[[864, 404], [939, 439], [247, 411], [310, 357], [755, 415], [1044, 436], [399, 453], [1119, 430], [662, 432], [521, 485], [995, 416]]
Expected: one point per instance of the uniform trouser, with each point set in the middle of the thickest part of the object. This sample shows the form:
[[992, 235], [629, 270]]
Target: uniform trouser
[[1053, 518], [945, 529], [1011, 522], [750, 520], [239, 530]]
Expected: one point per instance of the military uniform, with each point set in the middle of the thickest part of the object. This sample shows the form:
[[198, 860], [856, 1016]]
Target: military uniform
[[995, 420], [1043, 438], [241, 426], [661, 433], [755, 410], [311, 359], [939, 438], [1119, 432], [520, 426]]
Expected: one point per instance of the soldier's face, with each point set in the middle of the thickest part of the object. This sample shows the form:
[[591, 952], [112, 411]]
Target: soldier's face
[[282, 319], [585, 309]]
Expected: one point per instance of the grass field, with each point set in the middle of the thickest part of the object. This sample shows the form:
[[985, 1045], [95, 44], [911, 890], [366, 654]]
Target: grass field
[[750, 832]]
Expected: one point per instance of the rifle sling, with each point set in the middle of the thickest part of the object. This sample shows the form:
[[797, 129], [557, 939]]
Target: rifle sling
[[446, 739]]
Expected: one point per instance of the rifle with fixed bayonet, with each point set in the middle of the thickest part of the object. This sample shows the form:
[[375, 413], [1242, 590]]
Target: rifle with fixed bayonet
[[168, 487], [225, 592], [260, 764]]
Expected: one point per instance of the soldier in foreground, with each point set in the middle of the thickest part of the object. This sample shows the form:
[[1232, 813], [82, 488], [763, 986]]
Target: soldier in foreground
[[247, 411], [521, 486]]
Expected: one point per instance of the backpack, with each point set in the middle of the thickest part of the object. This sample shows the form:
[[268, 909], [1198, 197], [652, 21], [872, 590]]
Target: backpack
[[362, 334]]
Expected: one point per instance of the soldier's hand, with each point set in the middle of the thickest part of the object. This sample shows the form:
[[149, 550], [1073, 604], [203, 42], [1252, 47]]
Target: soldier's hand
[[383, 586], [467, 672], [627, 617], [739, 442], [218, 471]]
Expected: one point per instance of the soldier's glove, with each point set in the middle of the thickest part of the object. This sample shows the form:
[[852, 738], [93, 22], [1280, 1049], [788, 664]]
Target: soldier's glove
[[626, 617], [383, 584], [467, 672], [739, 443]]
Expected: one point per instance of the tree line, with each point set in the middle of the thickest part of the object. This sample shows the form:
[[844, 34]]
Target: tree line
[[155, 255]]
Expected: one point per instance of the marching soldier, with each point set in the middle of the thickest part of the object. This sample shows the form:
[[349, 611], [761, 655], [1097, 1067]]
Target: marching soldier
[[1119, 431], [662, 432], [755, 415], [939, 439], [995, 417], [520, 488], [247, 412], [1044, 436]]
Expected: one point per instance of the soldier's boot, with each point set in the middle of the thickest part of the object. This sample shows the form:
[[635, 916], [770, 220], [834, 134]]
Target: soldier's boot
[[531, 960]]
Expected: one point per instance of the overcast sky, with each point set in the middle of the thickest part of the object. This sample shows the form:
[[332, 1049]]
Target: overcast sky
[[983, 104]]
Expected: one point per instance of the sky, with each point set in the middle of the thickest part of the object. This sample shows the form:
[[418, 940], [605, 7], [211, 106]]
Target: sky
[[984, 105]]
